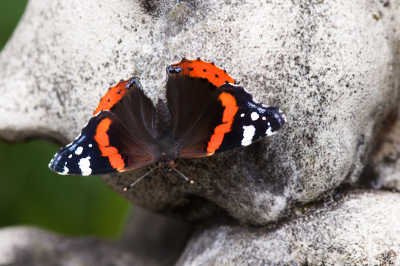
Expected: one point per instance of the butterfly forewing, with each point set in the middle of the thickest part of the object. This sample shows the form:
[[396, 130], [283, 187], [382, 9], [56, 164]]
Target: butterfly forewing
[[119, 137], [231, 120]]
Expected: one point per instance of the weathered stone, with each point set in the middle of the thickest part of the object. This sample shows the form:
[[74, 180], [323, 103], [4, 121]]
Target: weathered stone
[[150, 240], [363, 228], [27, 246], [332, 66], [156, 236]]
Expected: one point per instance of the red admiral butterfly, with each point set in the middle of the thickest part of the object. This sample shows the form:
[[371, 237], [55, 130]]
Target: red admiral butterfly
[[204, 114]]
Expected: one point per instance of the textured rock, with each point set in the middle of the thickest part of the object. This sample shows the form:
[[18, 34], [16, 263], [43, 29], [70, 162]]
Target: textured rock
[[28, 246], [150, 240], [361, 229], [155, 236], [332, 66]]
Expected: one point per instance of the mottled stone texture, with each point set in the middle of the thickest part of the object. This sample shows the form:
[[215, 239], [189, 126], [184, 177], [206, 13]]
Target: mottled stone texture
[[150, 240], [363, 228], [355, 228], [331, 66], [28, 246]]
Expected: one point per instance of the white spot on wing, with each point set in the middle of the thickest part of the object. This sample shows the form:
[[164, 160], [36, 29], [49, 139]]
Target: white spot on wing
[[90, 145], [263, 118], [70, 156], [269, 132], [78, 150], [254, 116], [242, 115], [84, 165], [66, 170], [248, 135]]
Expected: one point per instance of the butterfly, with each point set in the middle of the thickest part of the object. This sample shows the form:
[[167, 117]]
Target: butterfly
[[204, 114]]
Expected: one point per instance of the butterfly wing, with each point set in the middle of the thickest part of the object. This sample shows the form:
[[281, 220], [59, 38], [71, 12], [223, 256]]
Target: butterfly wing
[[209, 115], [189, 83], [231, 120], [119, 137]]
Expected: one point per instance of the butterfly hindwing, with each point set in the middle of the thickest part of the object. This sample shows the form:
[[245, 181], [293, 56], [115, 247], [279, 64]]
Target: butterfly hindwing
[[119, 137]]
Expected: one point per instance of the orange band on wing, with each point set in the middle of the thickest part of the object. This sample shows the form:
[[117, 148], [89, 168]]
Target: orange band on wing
[[102, 139], [201, 69], [229, 102], [113, 95]]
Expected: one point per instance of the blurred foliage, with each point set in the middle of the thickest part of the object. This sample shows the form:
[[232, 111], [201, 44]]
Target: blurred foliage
[[10, 13], [31, 194]]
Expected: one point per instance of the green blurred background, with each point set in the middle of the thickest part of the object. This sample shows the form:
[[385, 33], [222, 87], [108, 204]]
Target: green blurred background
[[31, 194]]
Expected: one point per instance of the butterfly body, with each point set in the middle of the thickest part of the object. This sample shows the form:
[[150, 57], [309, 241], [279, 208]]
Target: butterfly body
[[166, 150], [204, 114]]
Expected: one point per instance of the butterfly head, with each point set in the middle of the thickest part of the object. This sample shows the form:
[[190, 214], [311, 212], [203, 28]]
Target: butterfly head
[[166, 164], [169, 166]]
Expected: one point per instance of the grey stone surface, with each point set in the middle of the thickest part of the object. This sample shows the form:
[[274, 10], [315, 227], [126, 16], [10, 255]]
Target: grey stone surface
[[156, 236], [150, 240], [332, 66], [28, 246], [362, 228]]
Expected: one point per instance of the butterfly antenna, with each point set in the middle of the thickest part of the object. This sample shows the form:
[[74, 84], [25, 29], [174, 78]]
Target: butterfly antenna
[[182, 175], [134, 183]]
